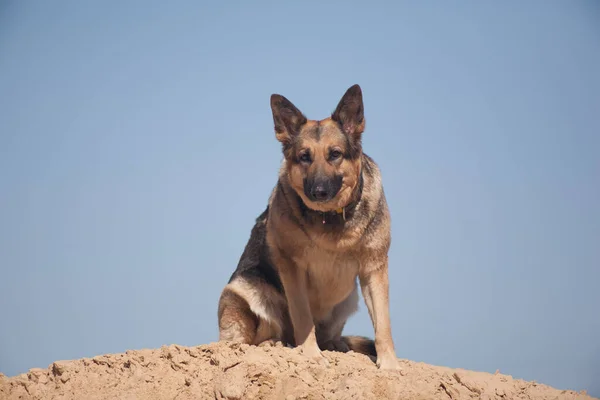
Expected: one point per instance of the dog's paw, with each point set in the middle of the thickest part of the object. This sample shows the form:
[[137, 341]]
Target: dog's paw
[[388, 363], [336, 345], [315, 354], [321, 360], [271, 343]]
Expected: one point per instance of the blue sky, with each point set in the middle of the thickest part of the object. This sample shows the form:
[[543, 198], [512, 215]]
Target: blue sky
[[138, 147]]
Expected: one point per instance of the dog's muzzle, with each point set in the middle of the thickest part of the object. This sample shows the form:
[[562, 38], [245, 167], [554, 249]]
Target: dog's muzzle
[[321, 189]]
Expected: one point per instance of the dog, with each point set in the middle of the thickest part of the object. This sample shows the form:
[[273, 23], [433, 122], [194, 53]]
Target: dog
[[325, 228]]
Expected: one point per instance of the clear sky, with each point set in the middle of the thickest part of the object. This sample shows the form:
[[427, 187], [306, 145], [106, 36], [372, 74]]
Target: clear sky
[[137, 147]]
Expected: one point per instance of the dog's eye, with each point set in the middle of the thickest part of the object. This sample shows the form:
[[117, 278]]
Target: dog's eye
[[335, 154], [305, 157]]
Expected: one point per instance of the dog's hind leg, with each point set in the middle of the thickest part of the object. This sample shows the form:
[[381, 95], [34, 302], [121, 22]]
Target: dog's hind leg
[[237, 322], [251, 312]]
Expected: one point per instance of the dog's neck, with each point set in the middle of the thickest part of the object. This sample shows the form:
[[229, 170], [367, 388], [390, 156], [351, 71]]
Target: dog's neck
[[338, 216]]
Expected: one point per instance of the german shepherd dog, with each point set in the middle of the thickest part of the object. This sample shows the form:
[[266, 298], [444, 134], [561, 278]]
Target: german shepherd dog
[[326, 224]]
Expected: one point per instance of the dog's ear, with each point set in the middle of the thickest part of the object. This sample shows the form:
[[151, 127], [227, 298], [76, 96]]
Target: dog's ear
[[287, 118], [350, 112]]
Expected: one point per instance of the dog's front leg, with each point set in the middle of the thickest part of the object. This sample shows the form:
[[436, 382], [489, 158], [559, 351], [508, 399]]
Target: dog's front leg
[[294, 283], [375, 288]]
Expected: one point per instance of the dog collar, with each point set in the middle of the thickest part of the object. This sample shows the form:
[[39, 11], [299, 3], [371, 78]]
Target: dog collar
[[341, 210]]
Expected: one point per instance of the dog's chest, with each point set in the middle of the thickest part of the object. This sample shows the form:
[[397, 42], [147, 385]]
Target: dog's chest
[[331, 276]]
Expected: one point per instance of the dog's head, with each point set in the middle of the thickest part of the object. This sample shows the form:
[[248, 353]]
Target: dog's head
[[323, 158]]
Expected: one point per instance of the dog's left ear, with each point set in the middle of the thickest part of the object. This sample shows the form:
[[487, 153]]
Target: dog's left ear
[[350, 112]]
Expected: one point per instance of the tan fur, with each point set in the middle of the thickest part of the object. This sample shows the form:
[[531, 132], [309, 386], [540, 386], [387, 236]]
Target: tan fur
[[318, 266]]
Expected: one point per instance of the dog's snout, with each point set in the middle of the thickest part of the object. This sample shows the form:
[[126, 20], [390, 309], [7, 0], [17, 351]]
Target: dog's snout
[[319, 192], [322, 188]]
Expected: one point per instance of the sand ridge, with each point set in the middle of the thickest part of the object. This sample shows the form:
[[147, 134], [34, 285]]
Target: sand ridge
[[232, 371]]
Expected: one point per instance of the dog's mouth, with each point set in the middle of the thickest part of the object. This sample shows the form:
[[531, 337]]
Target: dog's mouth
[[322, 190]]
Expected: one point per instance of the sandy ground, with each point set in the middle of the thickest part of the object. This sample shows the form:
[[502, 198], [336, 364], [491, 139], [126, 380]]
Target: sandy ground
[[229, 371]]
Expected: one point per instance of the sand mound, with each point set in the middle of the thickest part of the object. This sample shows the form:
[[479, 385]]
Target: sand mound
[[230, 371]]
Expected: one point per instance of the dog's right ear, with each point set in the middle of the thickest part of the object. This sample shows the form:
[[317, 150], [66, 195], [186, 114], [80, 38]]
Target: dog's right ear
[[287, 118]]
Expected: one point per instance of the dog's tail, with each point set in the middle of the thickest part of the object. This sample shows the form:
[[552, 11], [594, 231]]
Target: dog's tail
[[362, 345]]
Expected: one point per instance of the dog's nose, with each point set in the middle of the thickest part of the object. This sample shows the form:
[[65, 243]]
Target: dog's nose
[[319, 192]]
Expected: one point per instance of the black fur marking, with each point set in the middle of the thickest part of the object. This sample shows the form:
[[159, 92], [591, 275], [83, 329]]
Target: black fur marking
[[353, 148], [321, 185], [255, 261], [361, 344]]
